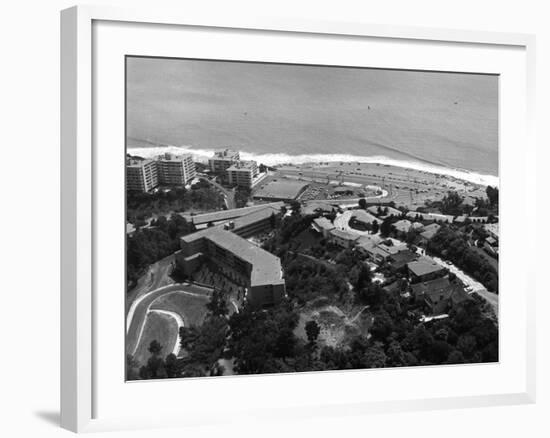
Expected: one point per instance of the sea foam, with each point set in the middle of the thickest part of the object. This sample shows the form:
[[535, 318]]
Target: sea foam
[[279, 158]]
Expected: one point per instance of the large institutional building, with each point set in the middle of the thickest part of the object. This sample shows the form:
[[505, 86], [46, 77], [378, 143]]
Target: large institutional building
[[244, 263], [167, 169]]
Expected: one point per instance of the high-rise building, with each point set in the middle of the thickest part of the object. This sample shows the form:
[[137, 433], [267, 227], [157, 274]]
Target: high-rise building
[[175, 169], [141, 175], [167, 169], [222, 160], [242, 173]]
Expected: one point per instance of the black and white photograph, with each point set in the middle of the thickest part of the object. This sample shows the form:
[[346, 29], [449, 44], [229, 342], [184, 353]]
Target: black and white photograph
[[286, 218]]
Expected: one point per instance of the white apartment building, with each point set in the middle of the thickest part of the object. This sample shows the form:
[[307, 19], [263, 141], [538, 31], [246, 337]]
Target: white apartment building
[[167, 169], [141, 175], [222, 160], [175, 169], [242, 173]]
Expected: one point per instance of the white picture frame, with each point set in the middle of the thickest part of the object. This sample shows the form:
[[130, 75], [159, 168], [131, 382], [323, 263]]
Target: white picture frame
[[79, 167]]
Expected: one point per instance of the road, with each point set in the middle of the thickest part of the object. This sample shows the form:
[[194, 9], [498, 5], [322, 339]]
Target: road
[[229, 195], [342, 223], [475, 285], [137, 314]]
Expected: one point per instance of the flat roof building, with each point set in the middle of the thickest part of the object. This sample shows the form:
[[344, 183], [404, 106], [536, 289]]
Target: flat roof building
[[222, 216], [222, 160], [175, 169], [242, 173], [241, 261], [323, 226], [342, 238], [425, 269], [281, 190], [167, 169], [141, 175]]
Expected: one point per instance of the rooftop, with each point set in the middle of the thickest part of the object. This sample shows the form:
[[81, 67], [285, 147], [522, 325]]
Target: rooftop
[[281, 189], [390, 211], [172, 157], [345, 235], [254, 217], [424, 266], [368, 242], [363, 216], [323, 223], [403, 225], [226, 215], [266, 268], [242, 165], [430, 230], [431, 216], [226, 154]]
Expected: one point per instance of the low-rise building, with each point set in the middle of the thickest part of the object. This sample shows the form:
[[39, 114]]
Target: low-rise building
[[403, 226], [439, 295], [220, 217], [342, 238], [323, 226], [428, 232], [244, 263], [363, 219], [425, 269]]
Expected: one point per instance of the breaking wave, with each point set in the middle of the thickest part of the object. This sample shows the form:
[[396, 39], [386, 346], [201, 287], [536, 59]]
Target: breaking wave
[[280, 158]]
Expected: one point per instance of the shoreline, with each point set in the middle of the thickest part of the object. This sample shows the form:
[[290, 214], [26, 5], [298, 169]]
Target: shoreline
[[280, 159]]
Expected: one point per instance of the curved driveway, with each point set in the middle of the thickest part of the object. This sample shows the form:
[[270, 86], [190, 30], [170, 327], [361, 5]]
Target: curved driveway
[[137, 314]]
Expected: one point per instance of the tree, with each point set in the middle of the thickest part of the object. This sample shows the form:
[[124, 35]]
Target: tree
[[363, 203], [171, 365], [217, 305], [386, 227], [492, 195], [312, 331], [451, 203], [155, 348], [132, 368], [375, 227]]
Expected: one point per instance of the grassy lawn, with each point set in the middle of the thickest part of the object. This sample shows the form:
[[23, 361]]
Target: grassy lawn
[[162, 328], [191, 308]]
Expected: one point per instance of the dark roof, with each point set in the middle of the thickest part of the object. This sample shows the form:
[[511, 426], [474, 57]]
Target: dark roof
[[400, 259], [266, 268], [440, 289]]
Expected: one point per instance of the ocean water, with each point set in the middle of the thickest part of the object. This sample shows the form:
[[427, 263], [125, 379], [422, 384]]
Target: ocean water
[[289, 113]]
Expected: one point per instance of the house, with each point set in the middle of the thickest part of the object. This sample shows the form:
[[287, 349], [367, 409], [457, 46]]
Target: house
[[425, 269], [492, 229], [323, 226], [343, 239], [439, 295], [400, 260], [430, 217], [402, 226], [366, 244], [362, 220], [384, 211], [491, 245], [428, 232]]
